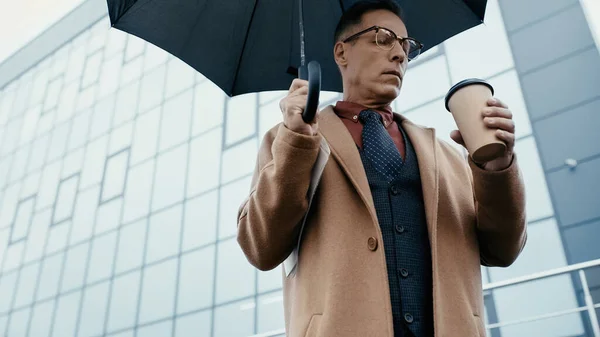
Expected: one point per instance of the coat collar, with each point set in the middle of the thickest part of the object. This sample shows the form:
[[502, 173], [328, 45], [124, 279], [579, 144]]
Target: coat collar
[[346, 154]]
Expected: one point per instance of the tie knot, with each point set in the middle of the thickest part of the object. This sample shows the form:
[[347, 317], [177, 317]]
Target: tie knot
[[369, 116]]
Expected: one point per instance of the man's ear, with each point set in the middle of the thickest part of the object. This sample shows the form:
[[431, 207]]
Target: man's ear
[[339, 53]]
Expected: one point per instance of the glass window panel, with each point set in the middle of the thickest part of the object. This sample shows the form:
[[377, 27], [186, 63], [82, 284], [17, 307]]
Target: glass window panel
[[209, 107], [196, 280], [158, 292], [204, 163], [9, 205], [194, 325], [162, 329], [65, 316], [145, 136], [83, 217], [115, 174], [108, 216], [6, 105], [20, 228], [132, 240], [14, 255], [271, 96], [76, 64], [45, 123], [232, 196], [103, 252], [20, 102], [175, 124], [423, 83], [31, 184], [66, 105], [481, 51], [18, 168], [91, 70], [38, 153], [124, 301], [239, 160], [127, 100], [29, 125], [26, 287], [109, 78], [508, 89], [80, 130], [241, 117], [164, 234], [270, 312], [135, 47], [53, 93], [93, 310], [169, 182], [200, 226], [7, 289], [538, 200], [116, 41], [73, 163], [128, 333], [5, 165], [67, 191], [94, 162], [436, 116], [3, 322], [49, 276], [270, 280], [132, 71], [152, 90], [39, 86], [41, 319], [58, 144], [154, 57], [103, 112], [270, 115], [120, 137], [57, 237], [48, 186], [138, 191], [60, 61], [86, 98], [242, 313], [233, 266], [36, 239], [180, 76], [18, 322], [11, 136], [75, 264]]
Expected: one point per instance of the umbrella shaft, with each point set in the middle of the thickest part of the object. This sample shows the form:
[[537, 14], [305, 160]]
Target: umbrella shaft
[[301, 24]]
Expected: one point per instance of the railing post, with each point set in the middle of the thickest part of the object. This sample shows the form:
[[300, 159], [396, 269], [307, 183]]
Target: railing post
[[590, 304]]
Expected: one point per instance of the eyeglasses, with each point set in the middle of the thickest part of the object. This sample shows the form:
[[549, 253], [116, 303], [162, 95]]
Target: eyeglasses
[[386, 40]]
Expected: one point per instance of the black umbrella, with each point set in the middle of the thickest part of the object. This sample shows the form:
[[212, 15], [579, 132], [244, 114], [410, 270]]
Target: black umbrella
[[246, 46]]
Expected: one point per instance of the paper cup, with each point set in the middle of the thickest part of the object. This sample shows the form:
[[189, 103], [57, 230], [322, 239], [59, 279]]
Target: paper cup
[[465, 101]]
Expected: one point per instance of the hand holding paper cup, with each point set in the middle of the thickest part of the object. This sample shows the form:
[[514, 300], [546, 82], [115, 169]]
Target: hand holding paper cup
[[466, 101]]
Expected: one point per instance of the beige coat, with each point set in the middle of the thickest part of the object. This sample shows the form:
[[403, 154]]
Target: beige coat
[[341, 287]]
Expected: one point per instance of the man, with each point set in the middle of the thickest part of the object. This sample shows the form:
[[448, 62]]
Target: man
[[401, 222]]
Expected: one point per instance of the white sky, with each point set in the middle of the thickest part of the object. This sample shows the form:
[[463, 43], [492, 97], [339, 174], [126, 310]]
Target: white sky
[[23, 20]]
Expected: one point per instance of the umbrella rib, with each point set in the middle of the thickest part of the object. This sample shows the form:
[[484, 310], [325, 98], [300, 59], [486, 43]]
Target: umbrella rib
[[237, 70]]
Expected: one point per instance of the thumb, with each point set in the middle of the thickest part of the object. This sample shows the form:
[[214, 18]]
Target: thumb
[[457, 137]]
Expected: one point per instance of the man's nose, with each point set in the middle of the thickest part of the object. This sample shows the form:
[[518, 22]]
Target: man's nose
[[397, 53]]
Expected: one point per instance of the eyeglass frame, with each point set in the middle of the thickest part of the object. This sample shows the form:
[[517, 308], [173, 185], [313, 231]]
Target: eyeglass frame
[[396, 38]]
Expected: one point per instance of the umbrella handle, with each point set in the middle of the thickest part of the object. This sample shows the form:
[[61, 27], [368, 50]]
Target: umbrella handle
[[312, 73]]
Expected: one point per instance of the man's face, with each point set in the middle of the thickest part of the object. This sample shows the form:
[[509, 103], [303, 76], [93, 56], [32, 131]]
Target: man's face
[[368, 69]]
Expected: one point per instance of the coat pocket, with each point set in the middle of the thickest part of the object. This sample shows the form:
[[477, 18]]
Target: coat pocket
[[313, 325], [480, 326]]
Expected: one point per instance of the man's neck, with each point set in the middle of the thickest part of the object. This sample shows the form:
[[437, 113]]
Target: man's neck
[[369, 104]]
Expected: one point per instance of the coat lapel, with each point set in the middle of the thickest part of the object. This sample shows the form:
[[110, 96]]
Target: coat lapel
[[423, 141], [345, 152]]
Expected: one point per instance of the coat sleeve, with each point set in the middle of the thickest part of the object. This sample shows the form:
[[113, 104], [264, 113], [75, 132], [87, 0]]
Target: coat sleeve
[[269, 219], [500, 209]]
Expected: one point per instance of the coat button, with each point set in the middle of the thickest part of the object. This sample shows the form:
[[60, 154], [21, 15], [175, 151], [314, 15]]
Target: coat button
[[399, 228], [372, 243], [404, 272], [394, 190], [408, 318]]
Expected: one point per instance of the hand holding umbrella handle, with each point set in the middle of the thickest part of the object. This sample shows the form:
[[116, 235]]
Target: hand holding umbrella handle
[[312, 73]]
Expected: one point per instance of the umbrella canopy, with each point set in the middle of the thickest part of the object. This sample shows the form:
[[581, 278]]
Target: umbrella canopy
[[246, 46]]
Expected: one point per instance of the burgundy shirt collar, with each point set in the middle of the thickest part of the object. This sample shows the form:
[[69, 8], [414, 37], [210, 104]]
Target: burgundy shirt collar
[[350, 110]]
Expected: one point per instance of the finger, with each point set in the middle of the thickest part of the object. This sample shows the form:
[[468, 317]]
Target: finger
[[303, 90], [507, 137], [295, 104], [456, 136], [497, 112], [500, 123], [496, 102], [297, 83]]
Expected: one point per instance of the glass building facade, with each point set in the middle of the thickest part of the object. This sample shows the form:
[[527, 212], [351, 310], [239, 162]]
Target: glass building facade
[[122, 170]]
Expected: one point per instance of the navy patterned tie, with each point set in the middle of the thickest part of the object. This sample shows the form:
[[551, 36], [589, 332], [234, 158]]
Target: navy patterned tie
[[378, 146]]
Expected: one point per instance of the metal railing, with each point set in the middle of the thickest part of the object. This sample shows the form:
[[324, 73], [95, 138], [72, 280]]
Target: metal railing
[[589, 306]]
